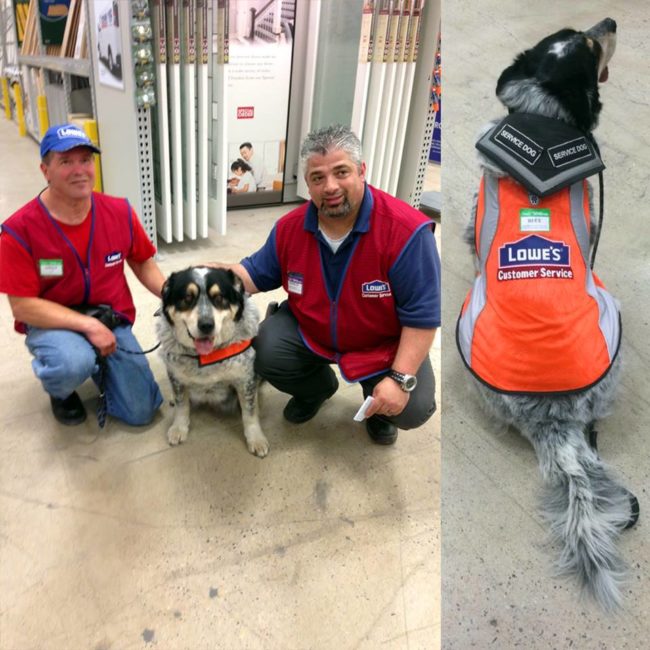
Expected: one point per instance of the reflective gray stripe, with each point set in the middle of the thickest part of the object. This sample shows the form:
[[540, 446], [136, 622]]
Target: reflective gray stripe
[[478, 297], [608, 315], [608, 318], [578, 220]]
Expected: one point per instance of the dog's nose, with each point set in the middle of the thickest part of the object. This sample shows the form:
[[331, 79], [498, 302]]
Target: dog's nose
[[610, 25], [206, 325]]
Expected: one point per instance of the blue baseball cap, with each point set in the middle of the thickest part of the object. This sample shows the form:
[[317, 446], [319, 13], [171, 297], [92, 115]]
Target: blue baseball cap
[[64, 137]]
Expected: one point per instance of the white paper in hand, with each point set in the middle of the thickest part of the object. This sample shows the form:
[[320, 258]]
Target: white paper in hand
[[361, 413]]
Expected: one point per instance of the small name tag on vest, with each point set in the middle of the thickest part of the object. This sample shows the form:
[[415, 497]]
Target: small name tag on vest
[[294, 283], [534, 220], [50, 268]]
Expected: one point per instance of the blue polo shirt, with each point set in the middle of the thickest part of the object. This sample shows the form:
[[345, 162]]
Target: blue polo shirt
[[414, 277]]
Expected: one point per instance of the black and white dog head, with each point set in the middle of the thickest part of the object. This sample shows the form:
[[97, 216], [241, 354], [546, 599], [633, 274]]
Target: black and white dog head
[[203, 306], [559, 77]]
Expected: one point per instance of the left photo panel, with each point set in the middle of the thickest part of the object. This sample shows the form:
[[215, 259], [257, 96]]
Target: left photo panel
[[220, 254]]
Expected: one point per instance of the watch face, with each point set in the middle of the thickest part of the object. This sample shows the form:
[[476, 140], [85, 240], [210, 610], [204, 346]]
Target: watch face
[[410, 383]]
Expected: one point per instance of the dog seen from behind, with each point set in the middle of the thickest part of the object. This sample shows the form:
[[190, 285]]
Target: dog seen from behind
[[538, 331], [206, 333]]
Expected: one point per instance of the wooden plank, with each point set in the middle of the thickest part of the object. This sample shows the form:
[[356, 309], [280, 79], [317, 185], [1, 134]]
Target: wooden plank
[[68, 28]]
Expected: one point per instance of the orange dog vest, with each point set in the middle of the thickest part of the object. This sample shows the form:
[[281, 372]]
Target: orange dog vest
[[537, 319]]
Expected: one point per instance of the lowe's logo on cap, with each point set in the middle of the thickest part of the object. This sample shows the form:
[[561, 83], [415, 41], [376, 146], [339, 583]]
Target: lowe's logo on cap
[[71, 132], [375, 289], [64, 137]]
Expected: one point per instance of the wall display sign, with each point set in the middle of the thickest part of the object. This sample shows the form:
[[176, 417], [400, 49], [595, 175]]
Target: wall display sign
[[109, 41], [260, 47], [53, 15], [435, 154]]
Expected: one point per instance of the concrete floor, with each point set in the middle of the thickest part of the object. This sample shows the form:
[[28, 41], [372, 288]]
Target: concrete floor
[[110, 539], [498, 584]]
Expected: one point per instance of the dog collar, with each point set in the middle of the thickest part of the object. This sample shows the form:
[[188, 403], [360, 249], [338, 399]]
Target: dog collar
[[542, 153], [220, 354]]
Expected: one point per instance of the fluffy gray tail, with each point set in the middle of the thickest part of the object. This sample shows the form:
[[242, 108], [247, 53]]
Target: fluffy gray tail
[[586, 510]]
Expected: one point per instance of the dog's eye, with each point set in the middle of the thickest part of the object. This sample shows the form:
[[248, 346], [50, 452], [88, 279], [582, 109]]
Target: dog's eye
[[188, 300], [218, 300]]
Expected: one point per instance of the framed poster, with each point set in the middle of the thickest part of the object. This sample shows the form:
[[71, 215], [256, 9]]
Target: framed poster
[[53, 15], [260, 43], [109, 42]]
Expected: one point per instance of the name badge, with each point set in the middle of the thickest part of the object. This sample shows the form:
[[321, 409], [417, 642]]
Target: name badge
[[535, 220], [295, 283], [50, 268]]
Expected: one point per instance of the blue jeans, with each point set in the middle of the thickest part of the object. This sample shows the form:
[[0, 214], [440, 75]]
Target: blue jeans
[[63, 360]]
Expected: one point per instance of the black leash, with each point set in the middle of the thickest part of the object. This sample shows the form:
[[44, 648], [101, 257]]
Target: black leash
[[601, 201], [601, 206], [101, 380], [155, 347]]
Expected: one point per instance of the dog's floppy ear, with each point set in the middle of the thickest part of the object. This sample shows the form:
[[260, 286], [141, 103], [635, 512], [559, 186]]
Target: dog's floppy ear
[[238, 285], [518, 71], [166, 296], [237, 282]]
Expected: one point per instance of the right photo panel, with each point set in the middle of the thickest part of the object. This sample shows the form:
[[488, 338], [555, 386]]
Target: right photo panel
[[546, 325]]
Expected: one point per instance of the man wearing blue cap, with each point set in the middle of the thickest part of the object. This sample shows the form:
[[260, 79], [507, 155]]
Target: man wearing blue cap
[[63, 254]]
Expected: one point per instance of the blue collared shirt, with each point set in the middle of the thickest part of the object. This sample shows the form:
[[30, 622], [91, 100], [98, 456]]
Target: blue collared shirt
[[414, 277]]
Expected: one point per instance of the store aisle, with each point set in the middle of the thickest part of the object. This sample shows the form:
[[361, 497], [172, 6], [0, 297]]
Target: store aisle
[[112, 539]]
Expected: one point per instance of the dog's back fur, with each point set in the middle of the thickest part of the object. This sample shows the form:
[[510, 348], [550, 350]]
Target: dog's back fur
[[584, 505]]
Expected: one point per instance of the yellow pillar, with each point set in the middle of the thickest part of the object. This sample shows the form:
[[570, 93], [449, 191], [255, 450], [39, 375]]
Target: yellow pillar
[[43, 119], [5, 97], [90, 127], [20, 109]]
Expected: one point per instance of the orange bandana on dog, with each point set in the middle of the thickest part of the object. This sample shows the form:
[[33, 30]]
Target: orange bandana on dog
[[224, 353]]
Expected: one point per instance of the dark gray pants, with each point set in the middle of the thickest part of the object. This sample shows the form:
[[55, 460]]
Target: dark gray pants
[[290, 366]]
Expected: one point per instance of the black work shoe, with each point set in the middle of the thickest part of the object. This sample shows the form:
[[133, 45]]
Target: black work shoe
[[69, 411], [299, 410], [381, 431]]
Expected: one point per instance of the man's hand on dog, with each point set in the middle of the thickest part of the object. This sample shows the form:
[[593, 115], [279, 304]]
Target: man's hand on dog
[[389, 399]]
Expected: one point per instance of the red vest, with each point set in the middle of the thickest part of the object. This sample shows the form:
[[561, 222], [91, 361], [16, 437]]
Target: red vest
[[64, 278], [537, 319], [359, 329]]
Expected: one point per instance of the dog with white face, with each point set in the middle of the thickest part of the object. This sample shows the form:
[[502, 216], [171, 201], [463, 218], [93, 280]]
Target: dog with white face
[[206, 334]]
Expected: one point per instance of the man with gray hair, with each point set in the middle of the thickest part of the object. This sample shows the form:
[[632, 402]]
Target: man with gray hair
[[362, 275]]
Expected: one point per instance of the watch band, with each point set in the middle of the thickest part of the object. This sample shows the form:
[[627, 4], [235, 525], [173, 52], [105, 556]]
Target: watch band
[[406, 382]]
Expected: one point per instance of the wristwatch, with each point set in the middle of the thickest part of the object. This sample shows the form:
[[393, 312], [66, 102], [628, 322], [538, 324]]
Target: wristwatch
[[406, 382]]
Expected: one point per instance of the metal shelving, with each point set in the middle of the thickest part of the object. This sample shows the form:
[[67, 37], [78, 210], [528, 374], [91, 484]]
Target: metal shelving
[[78, 67]]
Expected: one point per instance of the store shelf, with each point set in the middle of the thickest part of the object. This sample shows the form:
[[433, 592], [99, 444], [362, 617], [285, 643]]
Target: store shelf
[[79, 67]]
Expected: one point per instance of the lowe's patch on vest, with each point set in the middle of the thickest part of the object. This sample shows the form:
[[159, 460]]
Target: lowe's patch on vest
[[112, 259], [375, 289], [534, 257]]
